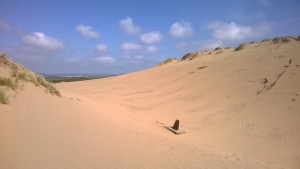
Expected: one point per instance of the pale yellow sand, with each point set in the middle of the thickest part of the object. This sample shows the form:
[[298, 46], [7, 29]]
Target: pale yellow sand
[[231, 119]]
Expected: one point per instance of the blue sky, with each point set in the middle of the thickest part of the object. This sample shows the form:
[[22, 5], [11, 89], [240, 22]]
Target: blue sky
[[122, 36]]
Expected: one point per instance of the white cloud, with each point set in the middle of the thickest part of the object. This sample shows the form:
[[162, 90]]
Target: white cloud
[[87, 32], [105, 60], [151, 49], [4, 26], [41, 41], [128, 26], [130, 46], [181, 29], [235, 32], [151, 37], [101, 48]]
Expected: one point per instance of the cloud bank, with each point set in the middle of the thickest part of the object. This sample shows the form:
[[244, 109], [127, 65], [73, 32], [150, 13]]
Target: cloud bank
[[235, 32]]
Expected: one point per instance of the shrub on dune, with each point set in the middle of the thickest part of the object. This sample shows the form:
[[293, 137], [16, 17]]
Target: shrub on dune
[[240, 47], [3, 98], [4, 81]]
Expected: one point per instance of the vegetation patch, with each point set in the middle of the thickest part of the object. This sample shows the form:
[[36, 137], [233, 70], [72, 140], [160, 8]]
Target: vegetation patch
[[3, 98], [218, 48], [285, 39], [4, 81], [240, 47], [167, 61], [219, 52], [70, 79], [276, 40], [189, 56], [281, 40], [22, 74], [19, 73], [266, 40]]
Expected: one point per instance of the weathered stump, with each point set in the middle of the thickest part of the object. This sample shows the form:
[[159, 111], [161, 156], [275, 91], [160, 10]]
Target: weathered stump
[[175, 128], [176, 125]]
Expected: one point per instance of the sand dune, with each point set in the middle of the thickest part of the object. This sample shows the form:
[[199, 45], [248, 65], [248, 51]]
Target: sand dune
[[239, 109]]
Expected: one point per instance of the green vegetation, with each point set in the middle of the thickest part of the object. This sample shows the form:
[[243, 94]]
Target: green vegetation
[[18, 74], [265, 40], [276, 40], [3, 98], [167, 61], [218, 48], [70, 79], [297, 38], [40, 80], [186, 56], [281, 40], [189, 56], [25, 75], [285, 39], [4, 81], [240, 47]]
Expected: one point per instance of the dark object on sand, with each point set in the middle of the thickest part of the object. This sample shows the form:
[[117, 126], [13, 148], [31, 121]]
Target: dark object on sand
[[265, 81], [176, 125], [175, 128]]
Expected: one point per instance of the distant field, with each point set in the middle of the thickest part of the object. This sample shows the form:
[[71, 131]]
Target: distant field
[[71, 79]]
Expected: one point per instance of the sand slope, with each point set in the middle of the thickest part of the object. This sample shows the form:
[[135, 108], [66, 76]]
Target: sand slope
[[232, 117]]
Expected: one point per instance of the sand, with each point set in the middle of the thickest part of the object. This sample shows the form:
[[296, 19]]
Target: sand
[[232, 118]]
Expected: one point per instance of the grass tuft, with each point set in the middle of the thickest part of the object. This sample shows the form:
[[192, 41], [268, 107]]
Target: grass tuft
[[4, 81], [281, 40], [38, 80], [189, 56], [167, 61], [3, 98], [266, 40], [218, 48], [285, 39], [240, 47], [276, 40]]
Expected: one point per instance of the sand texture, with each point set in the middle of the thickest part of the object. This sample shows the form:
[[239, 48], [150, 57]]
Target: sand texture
[[238, 109]]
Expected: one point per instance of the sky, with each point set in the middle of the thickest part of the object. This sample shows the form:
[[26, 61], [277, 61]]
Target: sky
[[123, 36]]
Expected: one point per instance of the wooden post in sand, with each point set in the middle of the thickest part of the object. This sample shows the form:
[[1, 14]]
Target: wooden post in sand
[[176, 125], [175, 128]]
